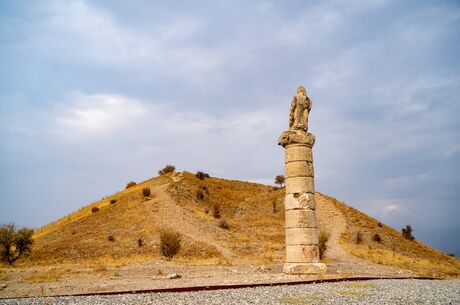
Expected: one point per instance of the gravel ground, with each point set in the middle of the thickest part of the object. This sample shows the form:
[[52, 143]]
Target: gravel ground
[[346, 293]]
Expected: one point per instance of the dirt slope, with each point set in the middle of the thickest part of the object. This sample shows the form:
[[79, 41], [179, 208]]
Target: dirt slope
[[255, 216]]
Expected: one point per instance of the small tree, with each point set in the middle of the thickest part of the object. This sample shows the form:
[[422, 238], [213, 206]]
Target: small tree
[[280, 180], [407, 233], [14, 243], [167, 169]]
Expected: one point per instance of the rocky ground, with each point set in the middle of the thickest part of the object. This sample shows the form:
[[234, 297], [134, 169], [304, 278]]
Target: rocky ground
[[363, 292], [154, 275]]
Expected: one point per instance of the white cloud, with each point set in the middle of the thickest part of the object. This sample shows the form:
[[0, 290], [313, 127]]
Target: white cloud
[[98, 114]]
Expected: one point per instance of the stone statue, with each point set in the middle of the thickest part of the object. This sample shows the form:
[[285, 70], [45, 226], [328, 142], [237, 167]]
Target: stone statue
[[300, 108]]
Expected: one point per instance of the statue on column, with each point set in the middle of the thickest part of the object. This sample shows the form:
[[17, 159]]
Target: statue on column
[[298, 120], [300, 108]]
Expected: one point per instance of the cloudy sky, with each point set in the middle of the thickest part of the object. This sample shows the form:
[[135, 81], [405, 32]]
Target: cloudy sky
[[94, 94]]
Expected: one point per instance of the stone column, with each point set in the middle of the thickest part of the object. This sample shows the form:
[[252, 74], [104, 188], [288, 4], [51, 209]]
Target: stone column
[[302, 252]]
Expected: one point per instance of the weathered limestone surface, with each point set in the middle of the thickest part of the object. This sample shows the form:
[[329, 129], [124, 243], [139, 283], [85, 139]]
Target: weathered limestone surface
[[302, 252]]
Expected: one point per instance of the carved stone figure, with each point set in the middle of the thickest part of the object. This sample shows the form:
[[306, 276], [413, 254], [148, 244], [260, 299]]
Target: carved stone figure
[[300, 108]]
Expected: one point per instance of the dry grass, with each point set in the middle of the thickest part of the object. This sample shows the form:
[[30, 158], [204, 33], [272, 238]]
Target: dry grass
[[43, 277], [393, 249], [256, 234]]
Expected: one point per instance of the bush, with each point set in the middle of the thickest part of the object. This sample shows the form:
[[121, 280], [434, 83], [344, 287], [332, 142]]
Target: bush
[[13, 244], [223, 225], [130, 184], [199, 195], [216, 211], [146, 192], [111, 238], [377, 238], [169, 243], [359, 238], [94, 209], [201, 175], [112, 201], [205, 189], [167, 169], [280, 180], [407, 233], [380, 224], [322, 243]]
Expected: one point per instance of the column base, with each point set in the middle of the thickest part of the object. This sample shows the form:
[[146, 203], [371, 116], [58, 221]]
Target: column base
[[304, 268]]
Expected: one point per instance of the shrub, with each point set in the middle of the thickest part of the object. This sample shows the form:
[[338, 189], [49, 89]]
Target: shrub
[[377, 238], [451, 254], [140, 243], [112, 201], [380, 224], [94, 209], [167, 169], [216, 211], [280, 180], [359, 238], [146, 192], [223, 224], [200, 195], [322, 243], [111, 238], [13, 244], [130, 184], [169, 243], [201, 175], [205, 189], [407, 233]]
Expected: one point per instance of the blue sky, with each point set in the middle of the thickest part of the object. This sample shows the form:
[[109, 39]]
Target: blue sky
[[94, 94]]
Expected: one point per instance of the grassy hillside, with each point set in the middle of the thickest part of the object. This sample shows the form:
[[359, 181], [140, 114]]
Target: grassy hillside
[[199, 209]]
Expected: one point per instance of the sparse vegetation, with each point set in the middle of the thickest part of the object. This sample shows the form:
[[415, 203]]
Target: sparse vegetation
[[223, 224], [199, 194], [201, 175], [111, 238], [170, 243], [167, 169], [216, 211], [130, 184], [94, 209], [322, 243], [280, 180], [14, 244], [146, 192], [380, 225], [407, 233], [113, 201], [377, 238]]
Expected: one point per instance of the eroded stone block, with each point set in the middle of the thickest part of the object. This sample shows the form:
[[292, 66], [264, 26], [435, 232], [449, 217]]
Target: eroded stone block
[[301, 236], [300, 219], [299, 185], [299, 169], [302, 254], [298, 152], [299, 201]]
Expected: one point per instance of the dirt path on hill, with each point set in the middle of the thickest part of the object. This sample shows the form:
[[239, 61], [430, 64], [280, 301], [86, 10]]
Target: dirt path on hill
[[332, 221], [183, 221]]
